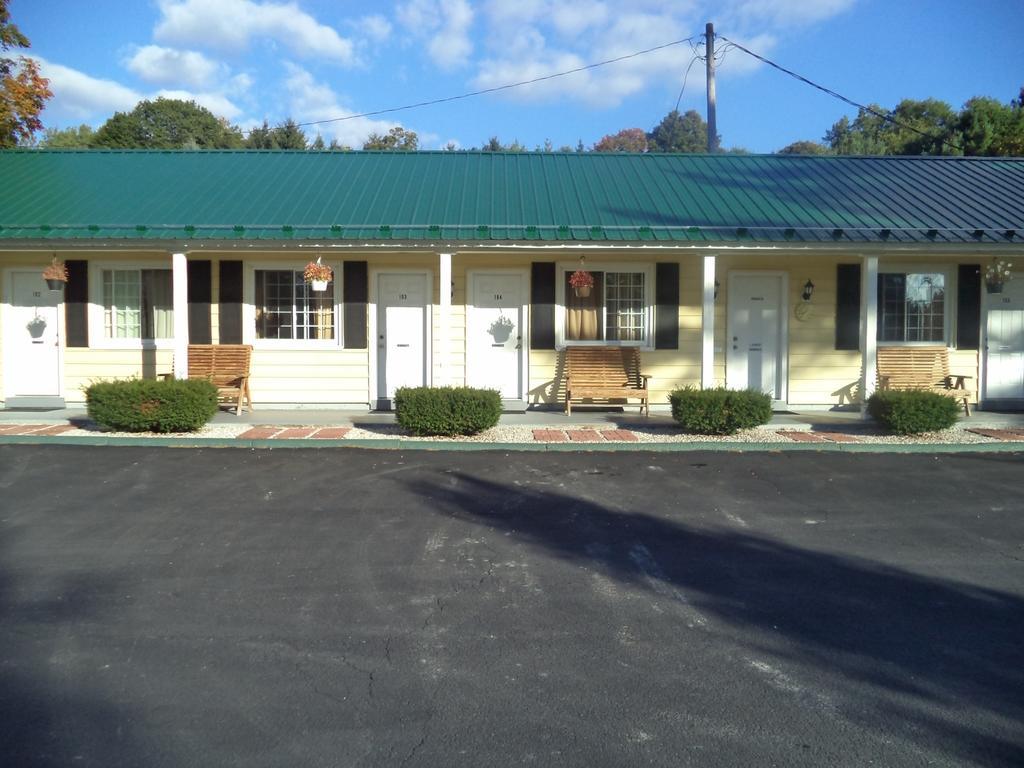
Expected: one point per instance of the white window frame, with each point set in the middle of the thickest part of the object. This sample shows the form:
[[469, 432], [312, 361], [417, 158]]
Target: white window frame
[[564, 268], [97, 338], [249, 308], [949, 301]]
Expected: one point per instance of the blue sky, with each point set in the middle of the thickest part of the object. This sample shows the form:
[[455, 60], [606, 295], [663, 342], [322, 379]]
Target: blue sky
[[250, 60]]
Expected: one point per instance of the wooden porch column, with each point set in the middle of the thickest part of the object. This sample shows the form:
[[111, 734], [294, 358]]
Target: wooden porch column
[[179, 286], [444, 317], [868, 329], [707, 357]]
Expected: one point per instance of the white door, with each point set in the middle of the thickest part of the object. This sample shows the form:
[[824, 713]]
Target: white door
[[494, 333], [1004, 343], [32, 338], [401, 333], [755, 354]]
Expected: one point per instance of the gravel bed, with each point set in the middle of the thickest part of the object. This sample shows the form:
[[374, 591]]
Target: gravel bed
[[957, 435]]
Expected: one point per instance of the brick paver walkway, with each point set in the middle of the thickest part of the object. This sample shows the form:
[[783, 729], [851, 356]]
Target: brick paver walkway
[[584, 436], [1000, 434]]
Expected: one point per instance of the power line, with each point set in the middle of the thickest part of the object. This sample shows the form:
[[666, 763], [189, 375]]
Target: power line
[[693, 61], [497, 88], [883, 115]]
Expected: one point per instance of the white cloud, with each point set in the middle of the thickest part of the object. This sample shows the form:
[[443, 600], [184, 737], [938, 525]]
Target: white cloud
[[171, 66], [217, 103], [526, 39], [234, 24], [375, 28], [82, 96], [312, 100], [445, 24]]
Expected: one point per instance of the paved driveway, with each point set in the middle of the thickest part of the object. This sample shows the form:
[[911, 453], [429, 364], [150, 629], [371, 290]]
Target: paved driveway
[[164, 607]]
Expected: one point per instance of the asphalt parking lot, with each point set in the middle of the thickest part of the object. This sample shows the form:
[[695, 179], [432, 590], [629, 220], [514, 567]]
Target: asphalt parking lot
[[345, 607]]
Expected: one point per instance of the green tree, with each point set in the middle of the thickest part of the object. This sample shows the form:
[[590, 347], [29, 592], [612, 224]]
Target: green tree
[[288, 135], [23, 91], [318, 144], [988, 127], [626, 140], [168, 124], [923, 127], [261, 137], [398, 139], [804, 148], [679, 133], [68, 138], [864, 136]]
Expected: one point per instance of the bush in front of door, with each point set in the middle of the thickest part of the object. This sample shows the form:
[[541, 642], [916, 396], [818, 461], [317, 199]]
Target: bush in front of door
[[719, 411], [447, 411], [913, 411], [144, 405]]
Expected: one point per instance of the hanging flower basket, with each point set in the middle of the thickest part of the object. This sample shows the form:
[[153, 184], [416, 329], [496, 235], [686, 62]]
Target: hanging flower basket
[[55, 275], [996, 275], [582, 282], [318, 275], [501, 329]]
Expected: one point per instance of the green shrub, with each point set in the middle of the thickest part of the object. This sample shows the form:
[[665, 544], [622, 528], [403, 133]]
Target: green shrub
[[719, 411], [144, 405], [447, 410], [910, 412]]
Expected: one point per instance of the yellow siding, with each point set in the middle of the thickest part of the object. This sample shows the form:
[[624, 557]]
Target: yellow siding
[[84, 366], [818, 374]]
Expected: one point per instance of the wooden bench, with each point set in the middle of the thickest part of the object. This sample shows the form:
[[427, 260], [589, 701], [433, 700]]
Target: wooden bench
[[921, 368], [227, 366], [604, 373]]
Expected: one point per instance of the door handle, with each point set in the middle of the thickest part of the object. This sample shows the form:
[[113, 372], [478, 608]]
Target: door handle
[[401, 345]]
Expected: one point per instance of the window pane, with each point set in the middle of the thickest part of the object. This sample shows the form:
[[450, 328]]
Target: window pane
[[122, 304], [925, 307], [625, 314], [287, 308], [911, 307], [157, 304], [583, 313]]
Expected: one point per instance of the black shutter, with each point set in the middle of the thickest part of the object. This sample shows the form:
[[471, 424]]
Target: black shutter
[[200, 293], [666, 314], [542, 305], [355, 293], [968, 306], [848, 306], [76, 304], [230, 310]]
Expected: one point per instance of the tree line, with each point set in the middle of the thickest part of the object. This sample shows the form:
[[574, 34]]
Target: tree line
[[982, 127]]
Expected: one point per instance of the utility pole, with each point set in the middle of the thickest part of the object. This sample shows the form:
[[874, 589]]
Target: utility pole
[[709, 50]]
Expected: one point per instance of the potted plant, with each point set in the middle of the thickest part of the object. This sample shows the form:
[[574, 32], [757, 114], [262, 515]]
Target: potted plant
[[56, 275], [318, 275], [996, 274], [501, 329], [581, 282]]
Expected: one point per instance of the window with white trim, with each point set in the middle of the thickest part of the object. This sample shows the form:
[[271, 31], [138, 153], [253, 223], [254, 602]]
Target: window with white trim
[[288, 308], [616, 310], [137, 304], [912, 307]]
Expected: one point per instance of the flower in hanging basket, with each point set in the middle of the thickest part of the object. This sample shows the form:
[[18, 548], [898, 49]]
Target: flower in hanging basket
[[998, 272], [317, 272], [56, 270], [581, 279]]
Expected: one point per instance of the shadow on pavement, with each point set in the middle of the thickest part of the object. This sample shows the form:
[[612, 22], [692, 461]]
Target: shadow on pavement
[[938, 660]]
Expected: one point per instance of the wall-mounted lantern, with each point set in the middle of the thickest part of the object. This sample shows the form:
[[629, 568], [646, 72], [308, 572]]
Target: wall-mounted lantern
[[808, 291]]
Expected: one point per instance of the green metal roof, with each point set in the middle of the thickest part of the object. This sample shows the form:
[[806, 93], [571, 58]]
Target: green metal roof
[[478, 196]]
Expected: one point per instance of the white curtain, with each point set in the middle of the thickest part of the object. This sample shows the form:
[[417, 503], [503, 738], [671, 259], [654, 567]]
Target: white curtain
[[158, 303]]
